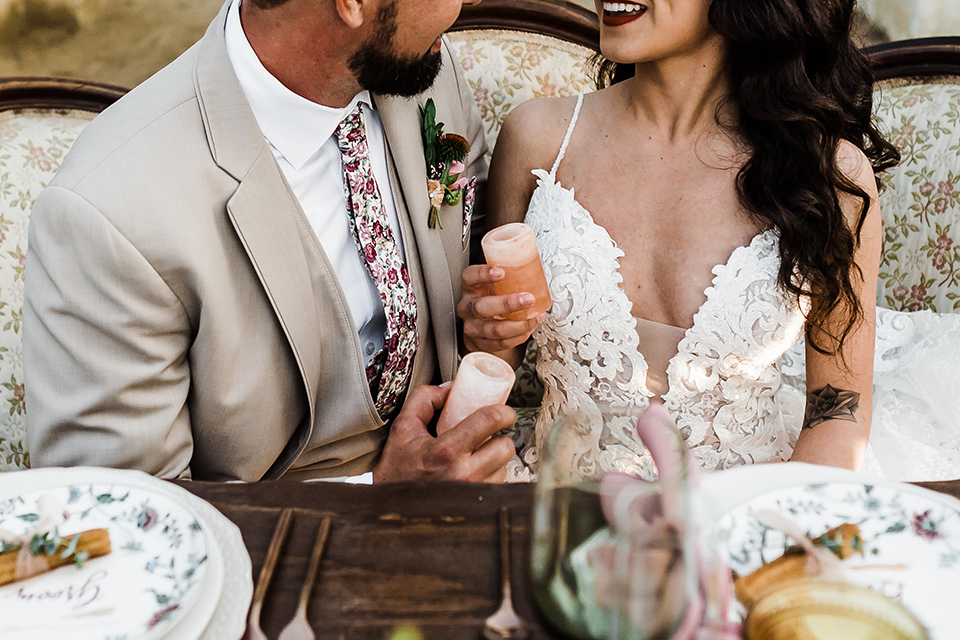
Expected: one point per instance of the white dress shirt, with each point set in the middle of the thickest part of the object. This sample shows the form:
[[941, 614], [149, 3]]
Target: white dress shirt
[[300, 135]]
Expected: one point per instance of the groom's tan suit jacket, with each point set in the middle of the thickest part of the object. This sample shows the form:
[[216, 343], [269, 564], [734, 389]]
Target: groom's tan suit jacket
[[180, 314]]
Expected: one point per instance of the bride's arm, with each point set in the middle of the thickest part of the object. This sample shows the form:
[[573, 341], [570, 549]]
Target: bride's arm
[[509, 187], [836, 426]]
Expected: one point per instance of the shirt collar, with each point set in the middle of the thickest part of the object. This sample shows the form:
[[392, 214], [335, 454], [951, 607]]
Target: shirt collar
[[294, 126]]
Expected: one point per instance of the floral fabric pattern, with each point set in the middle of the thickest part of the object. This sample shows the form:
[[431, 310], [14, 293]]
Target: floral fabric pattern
[[921, 197], [381, 254], [506, 68], [32, 145]]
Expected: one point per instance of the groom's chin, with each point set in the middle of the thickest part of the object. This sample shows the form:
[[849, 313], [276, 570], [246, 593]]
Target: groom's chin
[[393, 76], [419, 77]]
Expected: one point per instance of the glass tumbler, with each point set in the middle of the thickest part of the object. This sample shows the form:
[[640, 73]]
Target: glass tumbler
[[611, 555], [513, 248], [482, 380]]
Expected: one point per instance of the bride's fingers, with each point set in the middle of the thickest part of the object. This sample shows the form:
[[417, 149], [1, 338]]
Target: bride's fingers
[[477, 275], [498, 335], [497, 329], [493, 307], [492, 346]]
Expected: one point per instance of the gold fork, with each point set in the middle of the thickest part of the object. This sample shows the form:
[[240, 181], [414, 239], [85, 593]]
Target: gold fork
[[254, 632], [298, 628], [504, 623]]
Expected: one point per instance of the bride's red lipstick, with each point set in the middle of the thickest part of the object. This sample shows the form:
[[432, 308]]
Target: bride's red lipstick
[[620, 18]]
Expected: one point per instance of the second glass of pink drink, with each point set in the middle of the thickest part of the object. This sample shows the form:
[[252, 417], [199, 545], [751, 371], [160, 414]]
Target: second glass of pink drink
[[513, 248], [482, 380]]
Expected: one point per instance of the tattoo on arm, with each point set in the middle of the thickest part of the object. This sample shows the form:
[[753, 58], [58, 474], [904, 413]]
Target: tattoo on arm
[[829, 403]]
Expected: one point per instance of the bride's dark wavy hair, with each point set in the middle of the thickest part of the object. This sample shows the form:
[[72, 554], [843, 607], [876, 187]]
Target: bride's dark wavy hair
[[800, 86]]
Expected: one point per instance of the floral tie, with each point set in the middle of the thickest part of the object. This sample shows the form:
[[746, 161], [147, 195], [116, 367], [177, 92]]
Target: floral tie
[[374, 238]]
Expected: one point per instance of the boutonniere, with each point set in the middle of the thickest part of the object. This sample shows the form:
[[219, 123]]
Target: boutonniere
[[445, 154]]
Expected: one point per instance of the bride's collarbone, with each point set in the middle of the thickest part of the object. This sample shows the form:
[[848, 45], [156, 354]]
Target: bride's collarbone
[[662, 206], [673, 186]]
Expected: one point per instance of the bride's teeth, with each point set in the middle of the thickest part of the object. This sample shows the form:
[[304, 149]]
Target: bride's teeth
[[622, 7]]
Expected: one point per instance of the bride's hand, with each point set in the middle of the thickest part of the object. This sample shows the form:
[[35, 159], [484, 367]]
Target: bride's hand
[[484, 327]]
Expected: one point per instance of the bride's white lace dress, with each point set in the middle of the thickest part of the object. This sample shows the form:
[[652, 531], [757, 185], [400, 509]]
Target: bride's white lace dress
[[735, 386]]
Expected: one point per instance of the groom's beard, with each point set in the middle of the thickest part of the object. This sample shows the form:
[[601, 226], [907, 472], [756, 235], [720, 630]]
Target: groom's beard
[[380, 69]]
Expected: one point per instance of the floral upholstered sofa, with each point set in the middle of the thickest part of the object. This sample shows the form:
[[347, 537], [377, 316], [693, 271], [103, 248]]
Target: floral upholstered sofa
[[921, 202], [32, 144], [921, 197]]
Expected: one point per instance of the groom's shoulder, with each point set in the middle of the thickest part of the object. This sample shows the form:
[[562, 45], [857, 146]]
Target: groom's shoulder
[[163, 106]]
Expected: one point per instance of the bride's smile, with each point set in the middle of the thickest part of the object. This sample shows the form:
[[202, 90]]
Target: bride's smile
[[616, 14], [634, 32]]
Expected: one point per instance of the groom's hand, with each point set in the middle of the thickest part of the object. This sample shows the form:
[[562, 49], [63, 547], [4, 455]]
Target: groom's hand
[[482, 312], [470, 452]]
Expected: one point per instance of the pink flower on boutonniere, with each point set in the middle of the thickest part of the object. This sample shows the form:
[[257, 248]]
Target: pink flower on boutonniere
[[457, 168], [444, 154]]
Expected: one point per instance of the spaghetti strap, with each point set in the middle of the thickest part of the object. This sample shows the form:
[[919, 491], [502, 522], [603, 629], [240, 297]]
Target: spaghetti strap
[[566, 138]]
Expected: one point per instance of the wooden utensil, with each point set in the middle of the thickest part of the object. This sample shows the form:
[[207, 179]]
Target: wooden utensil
[[505, 624], [298, 628], [254, 632]]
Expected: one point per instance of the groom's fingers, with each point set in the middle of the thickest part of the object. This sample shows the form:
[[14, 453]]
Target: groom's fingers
[[491, 460], [419, 408], [477, 428]]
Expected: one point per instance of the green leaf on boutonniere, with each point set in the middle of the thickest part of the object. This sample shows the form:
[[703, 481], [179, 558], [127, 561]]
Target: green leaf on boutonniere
[[444, 155], [431, 132]]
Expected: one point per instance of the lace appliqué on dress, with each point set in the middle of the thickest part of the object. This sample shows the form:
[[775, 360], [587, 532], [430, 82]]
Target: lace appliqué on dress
[[723, 383]]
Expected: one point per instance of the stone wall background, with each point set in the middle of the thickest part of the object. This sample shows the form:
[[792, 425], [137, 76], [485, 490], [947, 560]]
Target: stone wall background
[[124, 41], [120, 42]]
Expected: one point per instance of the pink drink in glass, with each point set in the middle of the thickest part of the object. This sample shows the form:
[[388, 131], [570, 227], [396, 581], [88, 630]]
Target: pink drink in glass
[[513, 248], [482, 380]]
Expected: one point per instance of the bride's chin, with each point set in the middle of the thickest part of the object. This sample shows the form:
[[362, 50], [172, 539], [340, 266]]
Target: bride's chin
[[619, 54], [622, 61]]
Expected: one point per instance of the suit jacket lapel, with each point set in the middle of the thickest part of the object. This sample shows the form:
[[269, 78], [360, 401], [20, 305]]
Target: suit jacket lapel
[[401, 124], [263, 211]]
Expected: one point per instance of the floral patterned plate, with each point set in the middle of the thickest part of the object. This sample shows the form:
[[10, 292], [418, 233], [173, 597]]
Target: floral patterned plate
[[911, 541], [155, 574]]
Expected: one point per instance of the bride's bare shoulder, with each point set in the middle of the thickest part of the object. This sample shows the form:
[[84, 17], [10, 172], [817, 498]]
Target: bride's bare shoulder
[[534, 130], [529, 139]]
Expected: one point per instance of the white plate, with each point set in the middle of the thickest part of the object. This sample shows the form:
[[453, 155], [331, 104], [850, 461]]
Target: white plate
[[155, 573], [228, 562], [911, 539]]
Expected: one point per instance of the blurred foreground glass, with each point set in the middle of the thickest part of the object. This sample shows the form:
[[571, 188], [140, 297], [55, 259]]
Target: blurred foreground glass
[[609, 559]]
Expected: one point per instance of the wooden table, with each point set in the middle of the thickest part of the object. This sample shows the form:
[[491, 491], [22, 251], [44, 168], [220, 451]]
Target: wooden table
[[419, 554]]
